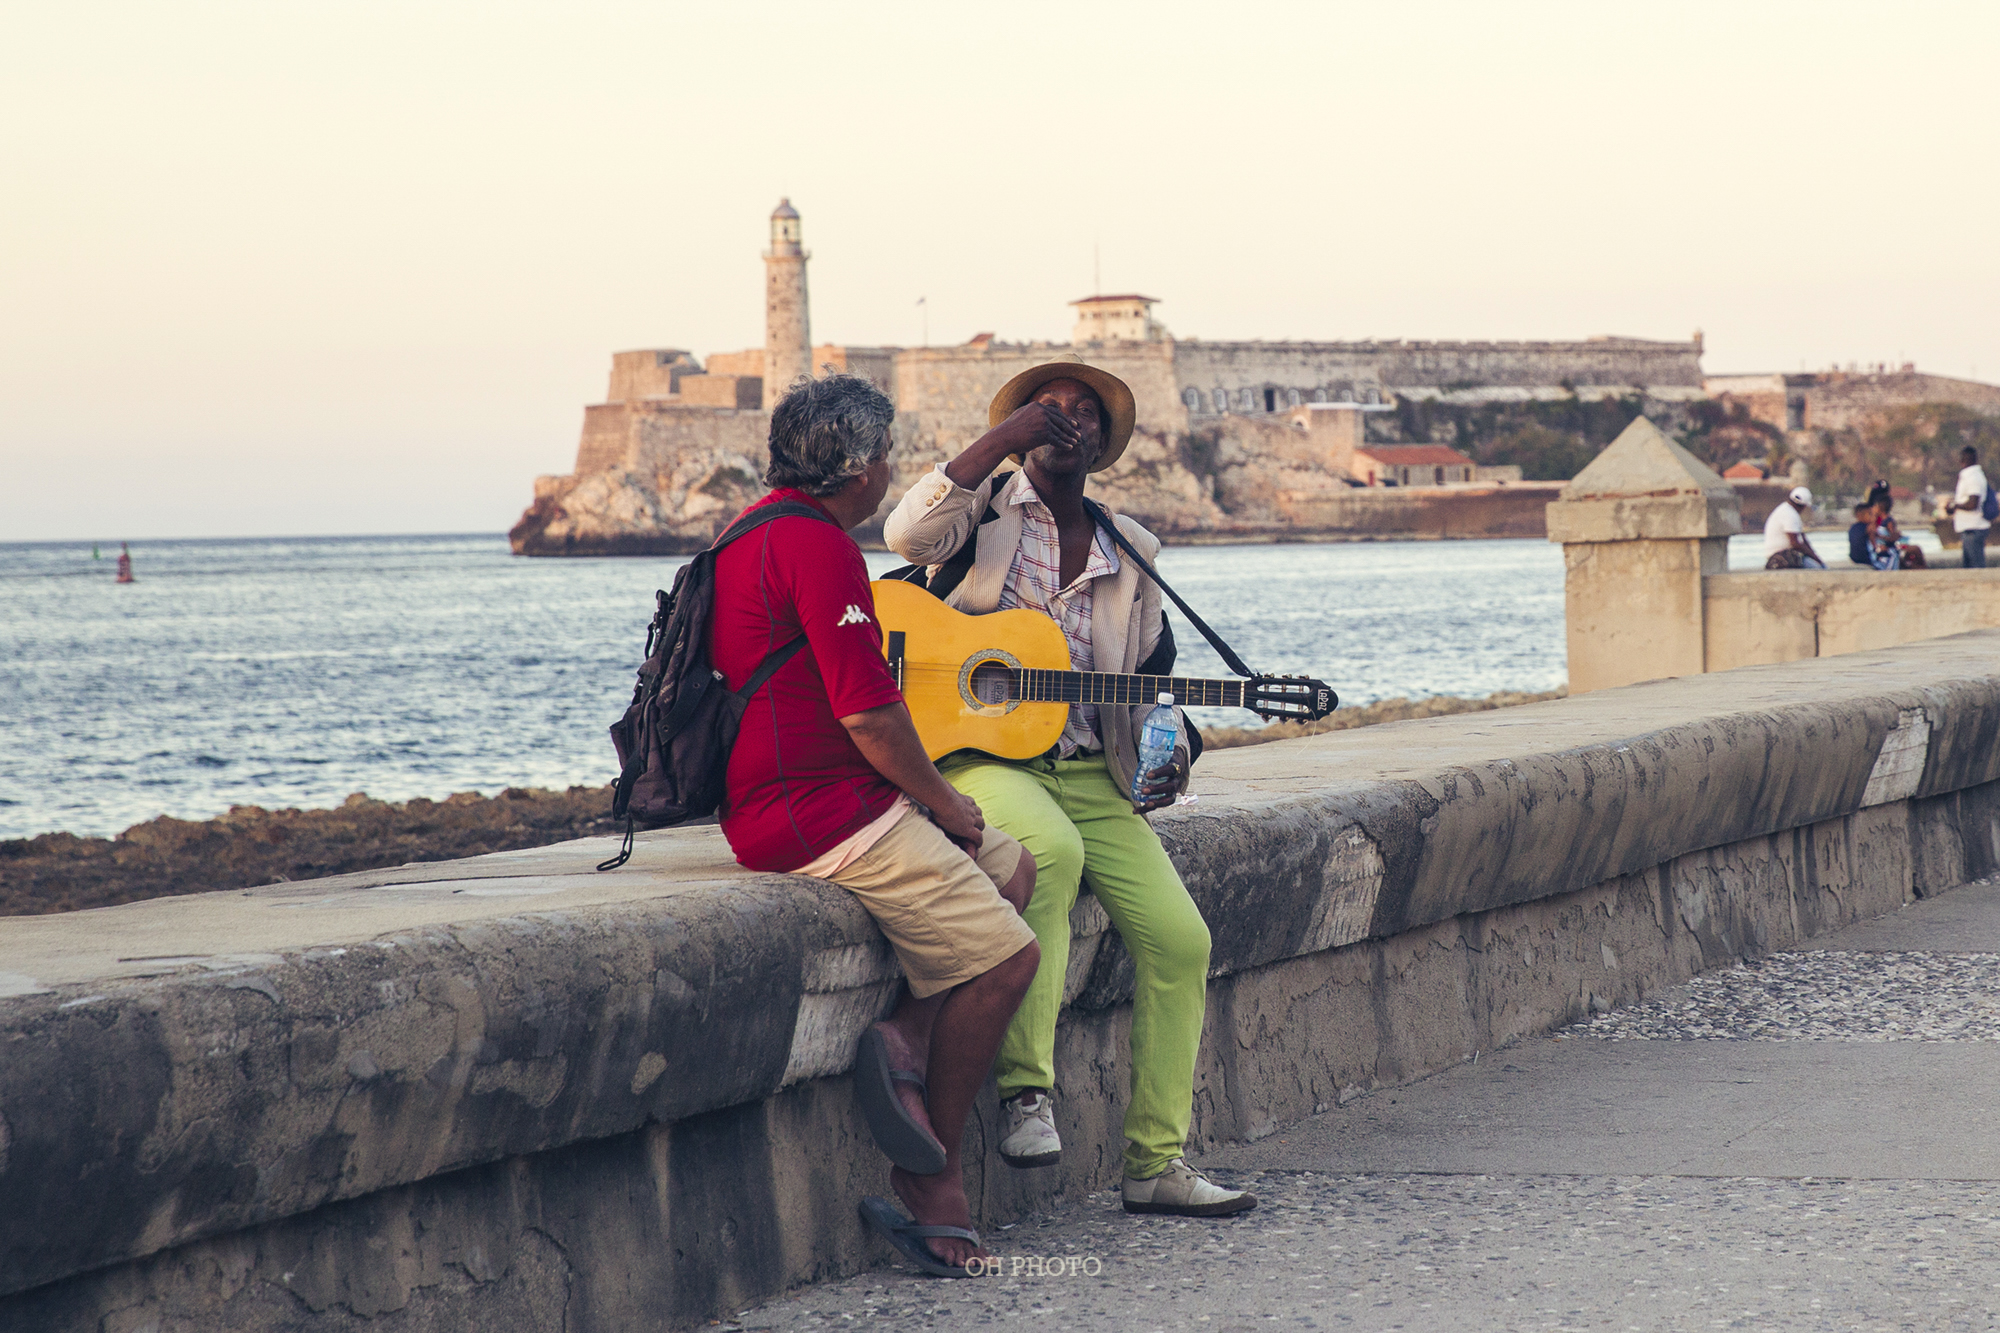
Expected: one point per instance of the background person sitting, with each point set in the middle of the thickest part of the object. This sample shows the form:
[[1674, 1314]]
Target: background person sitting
[[1858, 548], [1887, 547], [1785, 544]]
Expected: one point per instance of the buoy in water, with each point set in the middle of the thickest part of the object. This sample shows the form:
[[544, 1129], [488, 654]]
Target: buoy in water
[[125, 563]]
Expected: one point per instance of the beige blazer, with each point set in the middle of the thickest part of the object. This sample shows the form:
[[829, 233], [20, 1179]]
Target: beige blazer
[[933, 521]]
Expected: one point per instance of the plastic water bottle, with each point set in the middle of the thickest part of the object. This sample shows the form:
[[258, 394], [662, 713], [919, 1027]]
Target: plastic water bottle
[[1156, 744]]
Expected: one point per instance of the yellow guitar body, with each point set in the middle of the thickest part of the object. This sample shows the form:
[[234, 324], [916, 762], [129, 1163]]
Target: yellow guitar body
[[942, 651]]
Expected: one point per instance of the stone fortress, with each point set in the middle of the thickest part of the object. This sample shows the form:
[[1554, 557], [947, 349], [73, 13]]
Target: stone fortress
[[1234, 440]]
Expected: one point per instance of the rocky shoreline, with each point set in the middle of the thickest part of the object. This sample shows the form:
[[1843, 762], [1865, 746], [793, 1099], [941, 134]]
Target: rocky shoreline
[[61, 872]]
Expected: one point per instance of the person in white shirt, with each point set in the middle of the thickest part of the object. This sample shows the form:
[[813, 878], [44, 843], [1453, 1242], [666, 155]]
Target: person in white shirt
[[1966, 503], [1785, 544]]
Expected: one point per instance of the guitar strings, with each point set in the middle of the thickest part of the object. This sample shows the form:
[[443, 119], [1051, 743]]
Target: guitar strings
[[1090, 687]]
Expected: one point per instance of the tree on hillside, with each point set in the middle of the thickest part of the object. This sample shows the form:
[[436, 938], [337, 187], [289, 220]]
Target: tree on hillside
[[1549, 439], [1541, 453]]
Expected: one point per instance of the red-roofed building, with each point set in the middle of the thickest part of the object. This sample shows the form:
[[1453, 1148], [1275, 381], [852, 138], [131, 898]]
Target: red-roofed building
[[1411, 465], [1745, 471]]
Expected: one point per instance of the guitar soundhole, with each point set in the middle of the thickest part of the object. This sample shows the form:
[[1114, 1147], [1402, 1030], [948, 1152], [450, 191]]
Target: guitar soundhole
[[992, 683], [986, 682]]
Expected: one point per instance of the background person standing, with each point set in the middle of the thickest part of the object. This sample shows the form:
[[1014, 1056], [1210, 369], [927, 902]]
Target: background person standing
[[1968, 498]]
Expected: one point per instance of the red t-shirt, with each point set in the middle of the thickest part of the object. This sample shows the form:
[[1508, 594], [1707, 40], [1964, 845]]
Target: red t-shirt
[[797, 784]]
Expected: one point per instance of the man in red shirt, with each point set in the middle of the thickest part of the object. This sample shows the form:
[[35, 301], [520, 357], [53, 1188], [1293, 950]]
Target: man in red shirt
[[829, 779]]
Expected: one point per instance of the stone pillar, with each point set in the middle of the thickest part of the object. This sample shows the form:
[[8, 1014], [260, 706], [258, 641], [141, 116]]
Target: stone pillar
[[1639, 528], [787, 330]]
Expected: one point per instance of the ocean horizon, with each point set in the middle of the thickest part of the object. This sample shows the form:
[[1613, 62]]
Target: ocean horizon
[[293, 671]]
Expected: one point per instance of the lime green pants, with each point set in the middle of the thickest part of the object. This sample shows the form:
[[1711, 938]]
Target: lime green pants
[[1072, 816]]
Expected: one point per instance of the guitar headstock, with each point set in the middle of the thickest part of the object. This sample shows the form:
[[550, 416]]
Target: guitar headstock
[[1289, 698]]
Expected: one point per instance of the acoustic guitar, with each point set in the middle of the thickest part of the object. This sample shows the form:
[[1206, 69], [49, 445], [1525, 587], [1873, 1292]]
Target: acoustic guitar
[[966, 691]]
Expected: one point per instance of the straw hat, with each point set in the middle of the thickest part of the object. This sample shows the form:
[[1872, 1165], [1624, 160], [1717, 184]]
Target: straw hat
[[1110, 390]]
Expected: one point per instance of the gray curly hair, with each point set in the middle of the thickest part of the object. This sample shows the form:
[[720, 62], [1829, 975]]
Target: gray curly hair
[[827, 430]]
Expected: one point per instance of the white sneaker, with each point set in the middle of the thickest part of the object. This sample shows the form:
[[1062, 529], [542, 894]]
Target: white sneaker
[[1184, 1192], [1031, 1130]]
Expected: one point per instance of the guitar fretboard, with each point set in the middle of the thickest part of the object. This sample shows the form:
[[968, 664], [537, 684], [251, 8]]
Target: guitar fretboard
[[1103, 687]]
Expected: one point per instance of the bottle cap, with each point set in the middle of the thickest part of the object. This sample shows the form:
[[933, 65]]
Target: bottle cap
[[1165, 697]]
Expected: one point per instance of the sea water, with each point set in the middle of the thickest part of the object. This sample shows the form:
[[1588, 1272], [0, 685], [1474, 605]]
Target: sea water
[[294, 671]]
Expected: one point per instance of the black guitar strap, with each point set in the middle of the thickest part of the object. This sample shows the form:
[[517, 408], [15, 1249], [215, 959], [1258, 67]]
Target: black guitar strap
[[1227, 653]]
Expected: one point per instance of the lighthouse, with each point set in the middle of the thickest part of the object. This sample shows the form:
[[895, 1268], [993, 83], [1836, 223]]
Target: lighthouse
[[787, 331]]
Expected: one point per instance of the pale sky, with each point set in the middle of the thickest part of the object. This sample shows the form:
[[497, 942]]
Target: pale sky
[[288, 268]]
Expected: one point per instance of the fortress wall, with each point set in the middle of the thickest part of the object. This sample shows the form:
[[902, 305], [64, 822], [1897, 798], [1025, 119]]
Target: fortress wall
[[732, 391], [607, 437], [1421, 511], [1332, 368], [1835, 401], [1763, 404], [1435, 365], [667, 439], [512, 1094], [875, 364], [1610, 361]]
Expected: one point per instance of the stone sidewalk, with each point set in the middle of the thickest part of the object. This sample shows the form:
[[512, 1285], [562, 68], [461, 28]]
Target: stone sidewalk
[[1839, 1170]]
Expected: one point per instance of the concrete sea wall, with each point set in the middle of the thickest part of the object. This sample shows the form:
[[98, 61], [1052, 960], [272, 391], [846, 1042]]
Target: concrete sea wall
[[512, 1093], [1755, 617]]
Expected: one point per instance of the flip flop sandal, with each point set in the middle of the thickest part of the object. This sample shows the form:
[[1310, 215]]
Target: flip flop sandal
[[904, 1141], [908, 1237]]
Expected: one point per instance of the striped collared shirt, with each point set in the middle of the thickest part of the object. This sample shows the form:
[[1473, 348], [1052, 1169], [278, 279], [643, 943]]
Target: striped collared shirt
[[1034, 581]]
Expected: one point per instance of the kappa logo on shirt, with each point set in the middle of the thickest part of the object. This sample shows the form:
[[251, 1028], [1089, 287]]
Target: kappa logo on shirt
[[853, 616]]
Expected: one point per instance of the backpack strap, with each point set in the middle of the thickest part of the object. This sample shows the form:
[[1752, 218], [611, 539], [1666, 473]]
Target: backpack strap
[[768, 668], [757, 518], [1228, 654]]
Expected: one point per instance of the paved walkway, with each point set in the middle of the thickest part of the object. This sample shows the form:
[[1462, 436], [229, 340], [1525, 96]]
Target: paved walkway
[[1839, 1170]]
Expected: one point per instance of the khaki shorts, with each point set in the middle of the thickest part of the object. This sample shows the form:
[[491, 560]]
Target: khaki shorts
[[941, 910]]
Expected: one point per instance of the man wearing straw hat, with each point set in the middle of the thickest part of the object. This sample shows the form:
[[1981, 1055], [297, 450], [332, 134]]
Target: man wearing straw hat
[[1024, 538]]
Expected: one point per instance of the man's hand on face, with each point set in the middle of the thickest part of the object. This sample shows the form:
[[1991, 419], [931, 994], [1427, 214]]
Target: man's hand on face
[[961, 820], [1162, 786], [1034, 424]]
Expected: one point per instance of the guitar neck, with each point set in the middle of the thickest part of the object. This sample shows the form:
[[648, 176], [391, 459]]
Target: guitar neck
[[1103, 687]]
